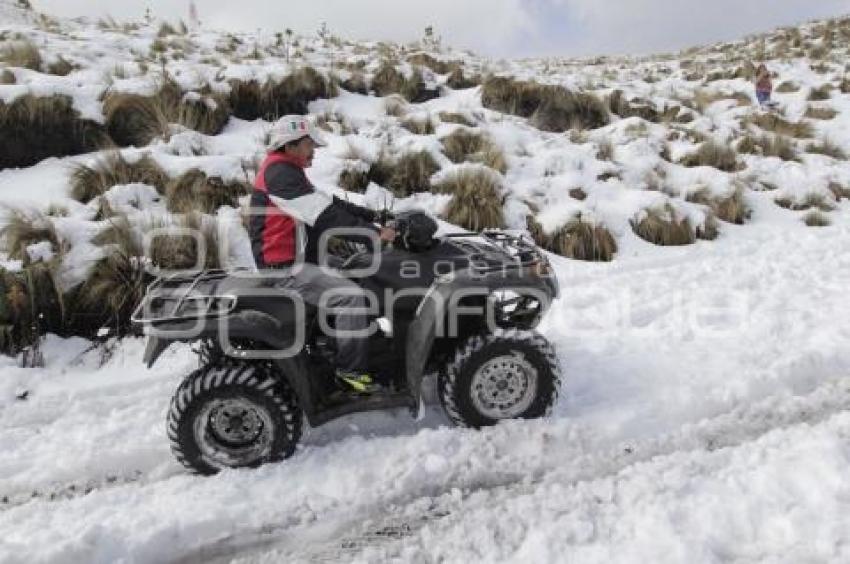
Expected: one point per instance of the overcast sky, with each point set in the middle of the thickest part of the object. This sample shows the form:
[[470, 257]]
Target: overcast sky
[[501, 28]]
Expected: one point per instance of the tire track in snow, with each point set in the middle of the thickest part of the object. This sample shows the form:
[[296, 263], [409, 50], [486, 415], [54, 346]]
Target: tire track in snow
[[402, 516]]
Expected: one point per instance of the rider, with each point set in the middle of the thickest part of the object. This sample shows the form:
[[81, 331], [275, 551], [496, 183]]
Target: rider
[[294, 216]]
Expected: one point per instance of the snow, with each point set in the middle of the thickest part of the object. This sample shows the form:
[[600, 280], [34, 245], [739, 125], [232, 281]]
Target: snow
[[703, 416]]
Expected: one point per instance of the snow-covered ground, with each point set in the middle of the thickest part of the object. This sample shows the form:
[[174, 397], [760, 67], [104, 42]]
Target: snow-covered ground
[[703, 415], [702, 420]]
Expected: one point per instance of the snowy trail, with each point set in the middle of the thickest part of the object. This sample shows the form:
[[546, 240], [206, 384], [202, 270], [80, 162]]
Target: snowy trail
[[395, 519]]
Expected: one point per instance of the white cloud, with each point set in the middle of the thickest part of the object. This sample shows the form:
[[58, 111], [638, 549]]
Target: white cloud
[[494, 27]]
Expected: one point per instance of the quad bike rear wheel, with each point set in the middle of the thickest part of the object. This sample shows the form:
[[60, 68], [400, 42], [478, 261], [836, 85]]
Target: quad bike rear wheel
[[232, 416], [505, 375]]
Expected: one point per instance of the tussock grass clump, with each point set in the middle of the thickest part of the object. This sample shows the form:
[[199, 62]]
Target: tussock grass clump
[[21, 53], [812, 200], [7, 77], [844, 85], [115, 285], [30, 306], [839, 191], [821, 93], [388, 80], [477, 202], [61, 67], [356, 83], [816, 219], [578, 239], [664, 227], [458, 80], [194, 191], [618, 104], [776, 124], [251, 100], [419, 126], [464, 145], [135, 120], [294, 93], [813, 112], [549, 108], [731, 209], [354, 179], [827, 147], [405, 175], [205, 114], [714, 154], [768, 146], [426, 60], [33, 129], [25, 228], [605, 151], [787, 87], [89, 182], [246, 99], [175, 251], [453, 117]]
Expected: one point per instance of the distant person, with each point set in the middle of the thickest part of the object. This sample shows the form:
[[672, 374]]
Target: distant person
[[764, 86]]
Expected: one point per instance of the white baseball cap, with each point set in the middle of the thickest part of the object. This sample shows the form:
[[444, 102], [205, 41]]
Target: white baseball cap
[[292, 128]]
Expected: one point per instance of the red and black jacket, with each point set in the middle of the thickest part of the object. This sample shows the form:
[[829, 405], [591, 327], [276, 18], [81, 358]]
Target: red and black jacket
[[295, 213]]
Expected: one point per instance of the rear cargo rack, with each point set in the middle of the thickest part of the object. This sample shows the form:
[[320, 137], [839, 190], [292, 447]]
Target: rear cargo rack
[[179, 298]]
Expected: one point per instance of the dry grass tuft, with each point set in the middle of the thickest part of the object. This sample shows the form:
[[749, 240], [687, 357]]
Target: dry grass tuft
[[827, 147], [821, 93], [618, 104], [294, 93], [712, 153], [419, 126], [816, 219], [664, 227], [33, 129], [731, 209], [25, 228], [134, 120], [549, 108], [7, 77], [477, 202], [21, 53], [776, 124], [452, 117], [246, 99], [788, 87], [464, 145], [839, 191], [409, 174], [768, 146], [194, 191], [578, 239], [812, 200], [61, 67], [89, 182], [354, 179], [115, 285], [173, 251], [813, 112]]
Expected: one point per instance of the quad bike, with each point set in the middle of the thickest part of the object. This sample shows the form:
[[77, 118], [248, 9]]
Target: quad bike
[[463, 313]]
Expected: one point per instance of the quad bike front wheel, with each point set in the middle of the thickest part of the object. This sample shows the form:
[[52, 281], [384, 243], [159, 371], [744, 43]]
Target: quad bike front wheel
[[506, 375], [232, 416]]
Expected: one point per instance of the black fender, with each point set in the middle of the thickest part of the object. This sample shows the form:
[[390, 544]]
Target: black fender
[[250, 324], [431, 316]]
